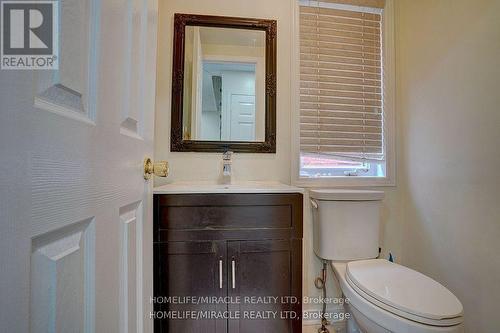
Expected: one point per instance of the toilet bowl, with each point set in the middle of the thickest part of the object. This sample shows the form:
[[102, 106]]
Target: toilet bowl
[[381, 296]]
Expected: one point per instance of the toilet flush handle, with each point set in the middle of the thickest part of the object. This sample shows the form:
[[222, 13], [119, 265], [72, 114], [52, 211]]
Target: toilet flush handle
[[314, 203]]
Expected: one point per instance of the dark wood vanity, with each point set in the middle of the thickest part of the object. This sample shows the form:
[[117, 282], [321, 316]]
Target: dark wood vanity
[[228, 262]]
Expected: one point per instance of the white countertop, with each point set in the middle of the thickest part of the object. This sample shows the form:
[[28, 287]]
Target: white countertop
[[235, 187]]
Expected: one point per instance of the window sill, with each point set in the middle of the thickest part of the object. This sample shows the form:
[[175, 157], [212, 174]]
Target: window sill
[[344, 182]]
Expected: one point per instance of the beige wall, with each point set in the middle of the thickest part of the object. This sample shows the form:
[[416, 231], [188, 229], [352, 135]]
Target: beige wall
[[448, 66], [203, 166]]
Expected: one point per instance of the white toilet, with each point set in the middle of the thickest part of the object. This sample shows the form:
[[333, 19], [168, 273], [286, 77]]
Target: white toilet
[[382, 296]]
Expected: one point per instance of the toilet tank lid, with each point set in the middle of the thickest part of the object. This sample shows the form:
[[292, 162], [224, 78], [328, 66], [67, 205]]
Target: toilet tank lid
[[346, 195]]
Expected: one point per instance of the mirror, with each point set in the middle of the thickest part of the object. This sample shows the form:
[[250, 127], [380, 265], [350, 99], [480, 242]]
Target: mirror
[[224, 84]]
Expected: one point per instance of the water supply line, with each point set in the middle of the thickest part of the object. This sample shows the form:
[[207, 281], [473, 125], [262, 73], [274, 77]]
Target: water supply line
[[320, 283]]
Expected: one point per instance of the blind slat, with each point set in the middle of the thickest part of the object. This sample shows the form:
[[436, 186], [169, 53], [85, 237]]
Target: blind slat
[[344, 80], [357, 43], [362, 3], [344, 101], [332, 30], [339, 52], [313, 15], [341, 114], [340, 142], [340, 60], [319, 71], [341, 128], [366, 32], [340, 13], [316, 63], [340, 82], [338, 107], [339, 149], [339, 135], [338, 87], [362, 51], [341, 121], [336, 93]]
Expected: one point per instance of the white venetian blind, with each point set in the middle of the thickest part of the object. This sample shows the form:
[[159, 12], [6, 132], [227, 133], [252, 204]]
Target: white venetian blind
[[341, 108]]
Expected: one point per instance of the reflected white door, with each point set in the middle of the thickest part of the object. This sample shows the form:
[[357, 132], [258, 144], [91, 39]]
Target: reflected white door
[[242, 117], [75, 211]]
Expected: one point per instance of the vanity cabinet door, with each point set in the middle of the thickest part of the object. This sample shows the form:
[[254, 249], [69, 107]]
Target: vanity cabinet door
[[190, 269], [265, 274]]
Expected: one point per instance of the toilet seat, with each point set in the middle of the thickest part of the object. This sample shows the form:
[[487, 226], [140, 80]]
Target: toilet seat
[[382, 316], [404, 292]]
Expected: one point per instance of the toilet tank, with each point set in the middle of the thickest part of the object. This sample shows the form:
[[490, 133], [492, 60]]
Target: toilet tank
[[346, 223]]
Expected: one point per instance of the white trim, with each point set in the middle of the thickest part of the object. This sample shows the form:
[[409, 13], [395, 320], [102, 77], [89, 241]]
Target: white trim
[[389, 109], [312, 3], [294, 97]]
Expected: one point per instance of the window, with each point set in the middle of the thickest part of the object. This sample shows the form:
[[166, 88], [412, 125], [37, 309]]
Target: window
[[343, 114]]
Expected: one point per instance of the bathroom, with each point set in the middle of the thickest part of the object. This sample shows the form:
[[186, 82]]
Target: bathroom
[[440, 215], [429, 176]]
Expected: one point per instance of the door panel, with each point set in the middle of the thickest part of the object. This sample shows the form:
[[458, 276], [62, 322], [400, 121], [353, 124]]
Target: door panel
[[71, 90], [191, 269], [263, 269], [242, 117], [132, 118], [76, 213], [131, 259], [62, 289]]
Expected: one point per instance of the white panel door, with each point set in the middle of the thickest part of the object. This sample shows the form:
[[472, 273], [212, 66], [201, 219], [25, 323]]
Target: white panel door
[[75, 210], [242, 117]]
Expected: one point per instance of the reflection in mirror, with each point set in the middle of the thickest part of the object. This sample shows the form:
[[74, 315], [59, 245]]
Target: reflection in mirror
[[224, 90]]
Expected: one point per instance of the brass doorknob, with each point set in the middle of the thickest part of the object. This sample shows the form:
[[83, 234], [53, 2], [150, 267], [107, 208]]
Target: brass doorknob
[[159, 168]]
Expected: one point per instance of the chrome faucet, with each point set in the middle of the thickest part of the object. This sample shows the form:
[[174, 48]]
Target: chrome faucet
[[226, 167]]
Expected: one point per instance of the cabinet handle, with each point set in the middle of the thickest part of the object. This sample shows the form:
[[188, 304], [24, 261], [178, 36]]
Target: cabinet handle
[[220, 274], [233, 269]]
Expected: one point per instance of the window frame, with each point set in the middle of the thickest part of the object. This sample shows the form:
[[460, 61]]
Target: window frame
[[389, 138]]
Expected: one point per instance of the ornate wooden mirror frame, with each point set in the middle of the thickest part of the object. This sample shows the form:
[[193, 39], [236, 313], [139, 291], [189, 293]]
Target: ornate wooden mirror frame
[[177, 143]]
